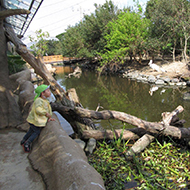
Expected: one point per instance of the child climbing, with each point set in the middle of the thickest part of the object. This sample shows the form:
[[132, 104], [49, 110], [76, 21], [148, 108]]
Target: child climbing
[[39, 115]]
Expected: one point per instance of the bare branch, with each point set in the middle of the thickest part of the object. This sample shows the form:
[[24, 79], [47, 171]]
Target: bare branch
[[11, 12]]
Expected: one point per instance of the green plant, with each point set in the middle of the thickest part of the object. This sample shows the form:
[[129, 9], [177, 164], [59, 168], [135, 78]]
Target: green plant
[[161, 166], [15, 63]]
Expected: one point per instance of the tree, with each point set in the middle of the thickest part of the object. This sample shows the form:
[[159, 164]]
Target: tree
[[94, 26], [39, 43], [72, 42], [125, 36], [10, 113], [86, 38], [170, 23], [54, 47]]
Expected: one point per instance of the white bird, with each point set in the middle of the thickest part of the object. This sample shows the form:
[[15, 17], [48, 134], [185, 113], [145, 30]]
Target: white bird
[[155, 67], [153, 89], [162, 91]]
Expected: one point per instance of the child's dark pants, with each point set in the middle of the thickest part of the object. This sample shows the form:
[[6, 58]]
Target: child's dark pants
[[32, 133]]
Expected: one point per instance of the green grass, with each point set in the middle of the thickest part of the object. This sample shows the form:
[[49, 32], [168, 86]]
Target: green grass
[[162, 165]]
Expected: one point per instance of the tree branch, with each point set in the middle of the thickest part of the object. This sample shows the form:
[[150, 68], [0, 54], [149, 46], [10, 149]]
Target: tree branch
[[11, 12]]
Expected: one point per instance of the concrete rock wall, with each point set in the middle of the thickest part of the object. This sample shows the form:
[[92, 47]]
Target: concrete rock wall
[[61, 161]]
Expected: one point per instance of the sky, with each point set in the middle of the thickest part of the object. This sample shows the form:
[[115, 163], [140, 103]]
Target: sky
[[55, 16]]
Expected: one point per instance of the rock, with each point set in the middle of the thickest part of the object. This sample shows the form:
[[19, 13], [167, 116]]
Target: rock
[[167, 80], [188, 83], [81, 143], [151, 79], [159, 82], [26, 97], [91, 145], [134, 75], [181, 84], [186, 96], [50, 68], [174, 80], [22, 76]]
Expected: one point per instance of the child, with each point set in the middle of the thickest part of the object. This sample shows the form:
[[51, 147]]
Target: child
[[39, 115]]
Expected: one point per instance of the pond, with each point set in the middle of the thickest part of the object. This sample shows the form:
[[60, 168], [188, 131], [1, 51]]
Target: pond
[[124, 95]]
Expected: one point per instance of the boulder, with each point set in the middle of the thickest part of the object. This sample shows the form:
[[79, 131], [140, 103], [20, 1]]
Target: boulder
[[159, 82], [26, 97], [151, 79]]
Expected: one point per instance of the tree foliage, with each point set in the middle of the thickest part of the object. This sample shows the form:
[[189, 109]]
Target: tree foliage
[[114, 35], [170, 23], [86, 38], [39, 42], [54, 47], [125, 36]]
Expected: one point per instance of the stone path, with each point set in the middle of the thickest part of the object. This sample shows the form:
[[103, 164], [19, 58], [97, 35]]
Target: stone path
[[16, 172]]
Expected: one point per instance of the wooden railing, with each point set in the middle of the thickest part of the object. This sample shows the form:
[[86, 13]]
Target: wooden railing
[[57, 58]]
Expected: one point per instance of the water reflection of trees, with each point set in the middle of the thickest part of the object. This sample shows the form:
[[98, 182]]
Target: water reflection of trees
[[121, 94]]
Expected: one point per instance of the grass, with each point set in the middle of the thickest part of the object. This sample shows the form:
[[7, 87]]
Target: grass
[[163, 165]]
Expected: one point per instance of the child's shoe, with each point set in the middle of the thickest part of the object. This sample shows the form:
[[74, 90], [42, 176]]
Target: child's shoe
[[27, 147]]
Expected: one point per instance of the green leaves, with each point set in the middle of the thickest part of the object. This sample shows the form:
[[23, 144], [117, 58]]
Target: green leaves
[[160, 166], [39, 42], [15, 63], [125, 37]]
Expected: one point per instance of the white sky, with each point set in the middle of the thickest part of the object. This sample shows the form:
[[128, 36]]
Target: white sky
[[55, 16]]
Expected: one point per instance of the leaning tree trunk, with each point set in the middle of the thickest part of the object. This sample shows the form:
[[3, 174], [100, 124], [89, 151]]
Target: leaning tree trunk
[[68, 98], [9, 110]]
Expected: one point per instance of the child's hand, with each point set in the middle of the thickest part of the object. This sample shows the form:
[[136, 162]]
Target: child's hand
[[51, 119]]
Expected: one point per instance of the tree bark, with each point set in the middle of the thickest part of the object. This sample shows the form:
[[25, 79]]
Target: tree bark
[[9, 110], [11, 12], [139, 145], [152, 127]]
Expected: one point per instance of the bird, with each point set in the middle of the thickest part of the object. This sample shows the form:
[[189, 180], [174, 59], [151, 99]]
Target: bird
[[155, 67], [153, 89], [162, 91]]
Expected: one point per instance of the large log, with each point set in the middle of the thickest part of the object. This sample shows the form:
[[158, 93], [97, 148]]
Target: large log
[[152, 127], [109, 134]]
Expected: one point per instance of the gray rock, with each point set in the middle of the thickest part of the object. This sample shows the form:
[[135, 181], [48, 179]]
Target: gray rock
[[81, 143], [151, 79], [91, 145], [61, 162], [181, 84], [186, 96], [160, 82], [167, 80], [175, 80], [134, 75]]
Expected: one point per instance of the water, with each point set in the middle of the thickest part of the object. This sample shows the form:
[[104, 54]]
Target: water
[[122, 94]]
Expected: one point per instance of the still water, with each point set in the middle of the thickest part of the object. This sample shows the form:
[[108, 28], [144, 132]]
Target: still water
[[124, 95]]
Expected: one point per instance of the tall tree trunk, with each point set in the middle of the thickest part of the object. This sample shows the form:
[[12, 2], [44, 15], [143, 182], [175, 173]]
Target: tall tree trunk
[[9, 110]]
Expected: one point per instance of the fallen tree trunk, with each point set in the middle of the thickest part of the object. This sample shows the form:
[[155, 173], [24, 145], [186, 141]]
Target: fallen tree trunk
[[151, 127], [146, 139]]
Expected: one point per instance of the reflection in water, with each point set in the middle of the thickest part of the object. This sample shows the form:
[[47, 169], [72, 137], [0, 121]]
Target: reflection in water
[[121, 94]]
